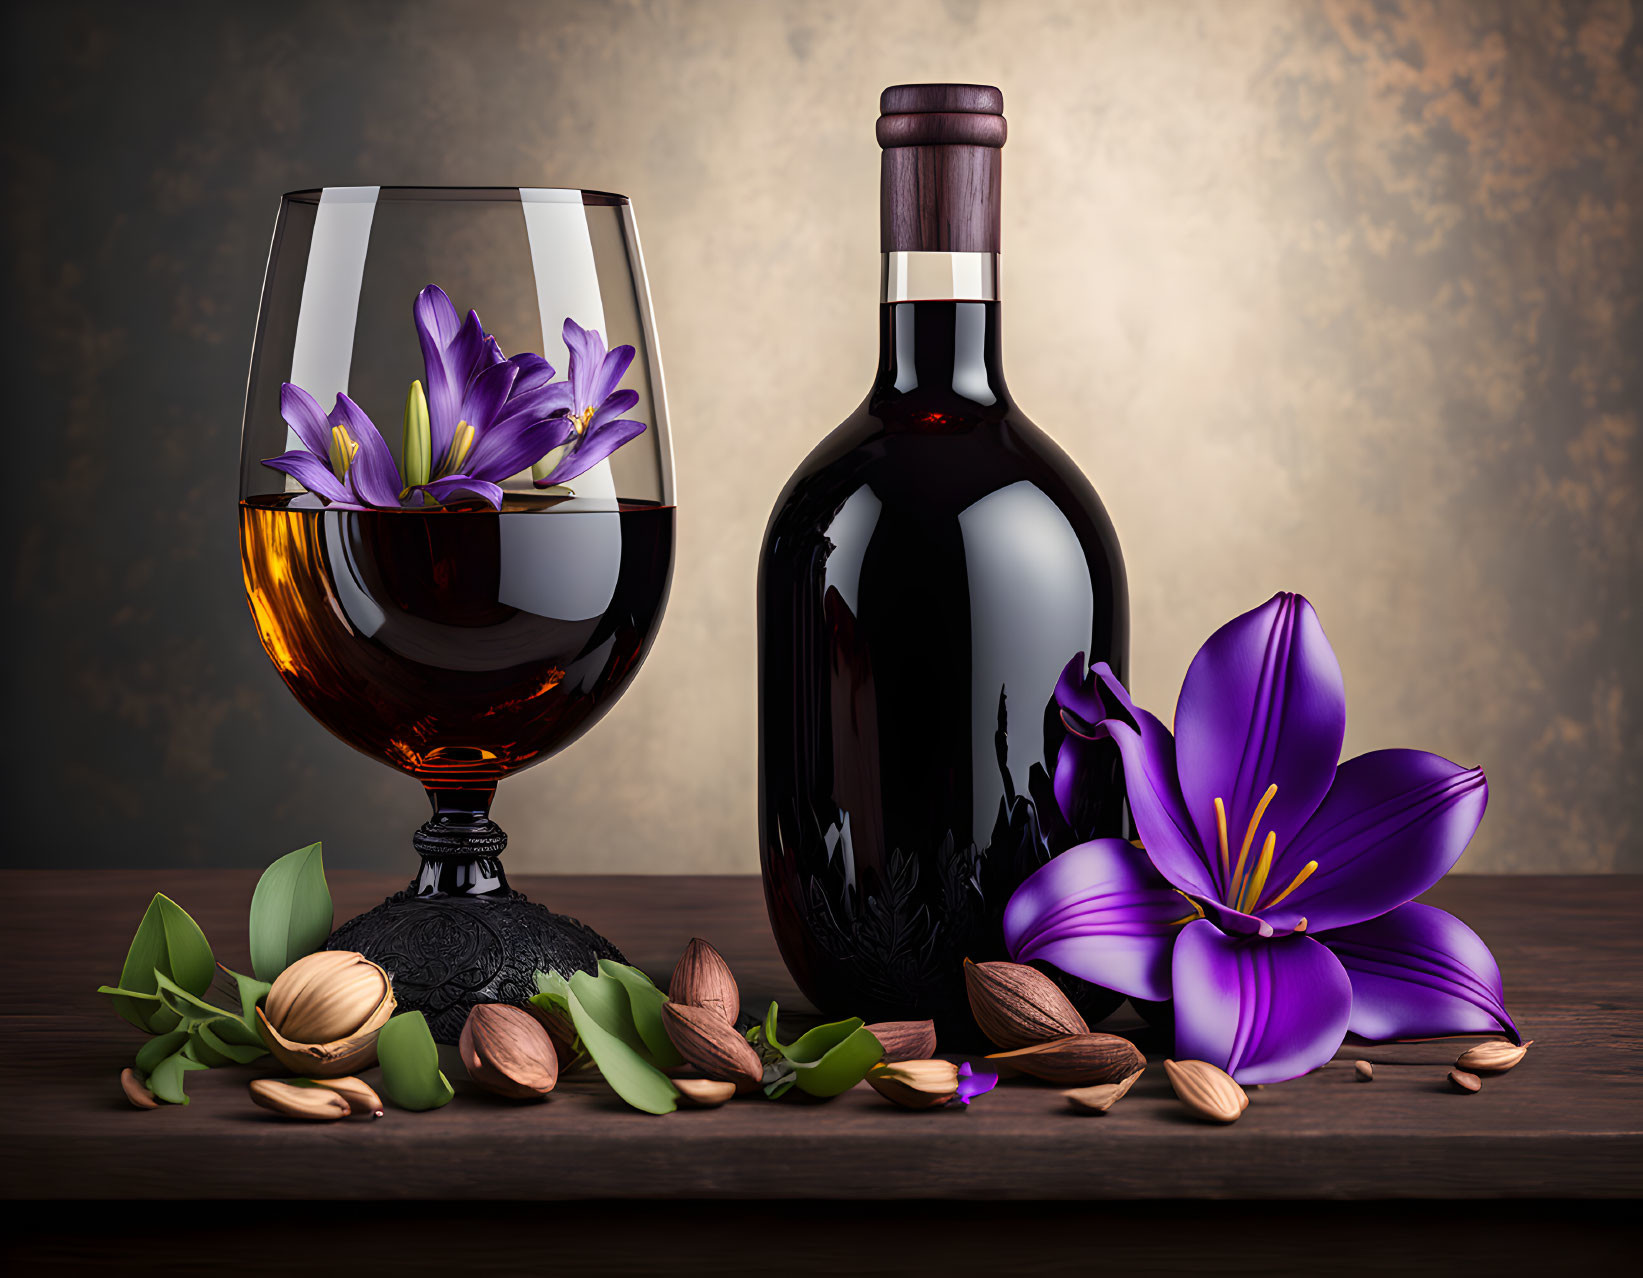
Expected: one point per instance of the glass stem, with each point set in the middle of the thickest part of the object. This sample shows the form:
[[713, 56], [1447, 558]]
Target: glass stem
[[460, 846]]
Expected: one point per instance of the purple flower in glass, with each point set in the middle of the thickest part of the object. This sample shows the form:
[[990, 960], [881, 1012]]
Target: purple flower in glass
[[343, 457], [593, 406], [1298, 871], [485, 419], [489, 417]]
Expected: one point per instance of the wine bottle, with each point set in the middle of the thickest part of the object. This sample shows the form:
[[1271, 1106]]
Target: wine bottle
[[925, 576]]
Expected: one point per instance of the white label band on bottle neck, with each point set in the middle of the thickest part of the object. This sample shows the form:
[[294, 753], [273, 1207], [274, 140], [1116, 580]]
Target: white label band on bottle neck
[[939, 277]]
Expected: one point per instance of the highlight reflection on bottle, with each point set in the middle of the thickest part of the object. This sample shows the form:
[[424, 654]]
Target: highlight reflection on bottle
[[925, 576]]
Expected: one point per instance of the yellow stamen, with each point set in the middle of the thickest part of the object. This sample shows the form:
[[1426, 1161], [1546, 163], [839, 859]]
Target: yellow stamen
[[1197, 911], [1302, 877], [583, 420], [1257, 880], [1221, 837], [1301, 926], [1249, 841], [343, 449], [461, 441]]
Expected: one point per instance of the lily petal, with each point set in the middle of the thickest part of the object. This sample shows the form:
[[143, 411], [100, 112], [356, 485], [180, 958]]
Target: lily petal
[[486, 394], [436, 328], [312, 474], [587, 357], [1076, 691], [1262, 704], [1418, 972], [466, 350], [1160, 814], [1263, 1011], [449, 486], [1392, 825], [507, 449], [611, 371], [303, 414], [594, 448], [373, 475], [534, 404], [1086, 778], [1100, 912], [1232, 922], [435, 316], [613, 407], [534, 371], [973, 1083]]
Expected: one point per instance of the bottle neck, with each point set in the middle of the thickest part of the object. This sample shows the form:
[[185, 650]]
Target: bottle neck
[[939, 329]]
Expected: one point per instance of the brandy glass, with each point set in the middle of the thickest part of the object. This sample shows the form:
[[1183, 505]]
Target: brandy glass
[[453, 641]]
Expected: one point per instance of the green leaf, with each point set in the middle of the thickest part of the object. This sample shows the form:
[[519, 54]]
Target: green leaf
[[633, 1078], [605, 999], [415, 457], [214, 1048], [234, 1030], [169, 941], [770, 1029], [251, 992], [190, 1009], [833, 1058], [145, 1011], [552, 983], [165, 1080], [410, 1064], [645, 1002], [781, 1086], [290, 911], [157, 1049]]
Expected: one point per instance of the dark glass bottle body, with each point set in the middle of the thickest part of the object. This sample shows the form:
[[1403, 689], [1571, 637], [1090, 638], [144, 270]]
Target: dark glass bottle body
[[925, 576]]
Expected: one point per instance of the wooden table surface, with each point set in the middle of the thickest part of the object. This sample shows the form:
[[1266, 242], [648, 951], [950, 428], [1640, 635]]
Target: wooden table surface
[[1567, 1123]]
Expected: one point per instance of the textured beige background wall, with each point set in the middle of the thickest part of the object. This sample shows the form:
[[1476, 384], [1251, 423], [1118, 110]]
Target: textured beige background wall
[[1339, 297]]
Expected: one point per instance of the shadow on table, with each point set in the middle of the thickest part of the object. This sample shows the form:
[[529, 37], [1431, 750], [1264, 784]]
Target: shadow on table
[[687, 1239]]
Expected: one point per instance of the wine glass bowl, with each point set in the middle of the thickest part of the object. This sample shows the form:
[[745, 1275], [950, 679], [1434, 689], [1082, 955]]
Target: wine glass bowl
[[458, 599]]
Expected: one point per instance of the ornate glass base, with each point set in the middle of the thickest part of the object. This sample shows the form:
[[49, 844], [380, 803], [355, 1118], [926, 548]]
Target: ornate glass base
[[459, 935]]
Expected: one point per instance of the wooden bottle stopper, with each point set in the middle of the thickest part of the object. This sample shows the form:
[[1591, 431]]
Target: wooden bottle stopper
[[941, 170]]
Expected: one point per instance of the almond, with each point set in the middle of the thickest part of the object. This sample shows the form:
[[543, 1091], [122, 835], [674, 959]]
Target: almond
[[711, 1044], [296, 1100], [1077, 1059], [359, 1095], [1207, 1090], [561, 1029], [1102, 1097], [1017, 1006], [704, 1093], [1364, 1070], [136, 1090], [508, 1051], [702, 978], [1465, 1082], [905, 1040], [1494, 1057], [921, 1084]]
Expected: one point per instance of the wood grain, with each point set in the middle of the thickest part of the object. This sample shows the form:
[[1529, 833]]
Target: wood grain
[[940, 187], [1567, 1122]]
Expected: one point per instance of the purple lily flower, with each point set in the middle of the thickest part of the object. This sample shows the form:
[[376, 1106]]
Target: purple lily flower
[[1273, 900], [593, 404], [972, 1083], [344, 458], [488, 418]]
